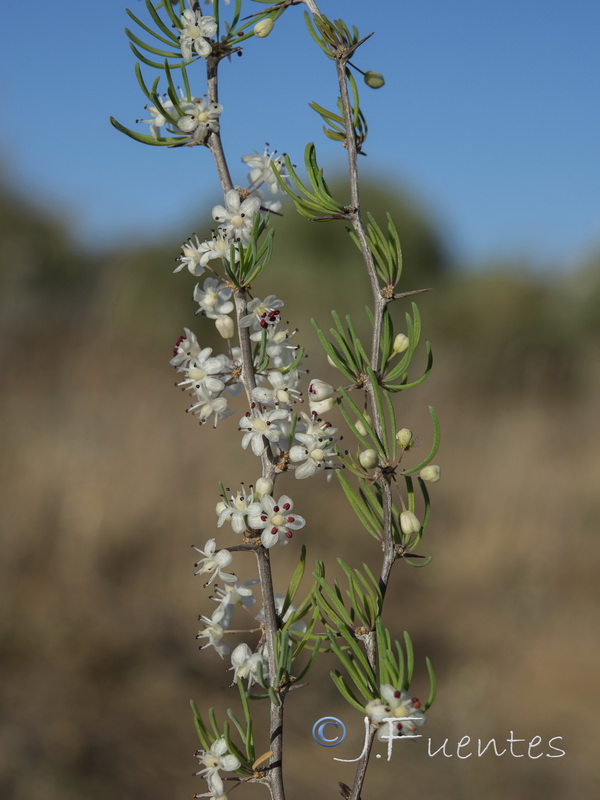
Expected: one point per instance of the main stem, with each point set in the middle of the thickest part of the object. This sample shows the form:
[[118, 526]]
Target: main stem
[[274, 778]]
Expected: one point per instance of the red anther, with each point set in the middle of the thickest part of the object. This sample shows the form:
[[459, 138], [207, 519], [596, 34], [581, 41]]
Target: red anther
[[264, 518], [275, 508], [253, 405], [286, 506], [416, 702], [274, 530], [291, 519], [177, 343], [398, 726], [264, 324], [263, 315], [247, 414], [396, 694], [289, 534], [277, 312]]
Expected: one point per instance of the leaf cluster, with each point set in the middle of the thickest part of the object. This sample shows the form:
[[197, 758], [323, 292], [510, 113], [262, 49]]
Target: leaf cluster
[[316, 202]]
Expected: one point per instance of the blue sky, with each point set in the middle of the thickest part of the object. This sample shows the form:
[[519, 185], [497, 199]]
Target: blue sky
[[490, 117]]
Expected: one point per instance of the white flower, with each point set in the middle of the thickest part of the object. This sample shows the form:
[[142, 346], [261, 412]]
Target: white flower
[[314, 426], [320, 407], [316, 453], [264, 425], [194, 32], [319, 390], [199, 118], [280, 353], [395, 703], [246, 663], [218, 246], [214, 560], [275, 519], [207, 406], [192, 257], [214, 633], [229, 597], [261, 169], [235, 510], [158, 119], [237, 217], [186, 349], [284, 389], [297, 626], [199, 374], [218, 757], [262, 313], [213, 298]]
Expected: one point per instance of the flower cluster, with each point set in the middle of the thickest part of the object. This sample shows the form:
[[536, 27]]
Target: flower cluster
[[216, 758], [395, 704], [208, 378], [196, 117]]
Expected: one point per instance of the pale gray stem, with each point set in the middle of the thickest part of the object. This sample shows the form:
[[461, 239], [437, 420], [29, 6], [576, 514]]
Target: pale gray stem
[[214, 140], [248, 377]]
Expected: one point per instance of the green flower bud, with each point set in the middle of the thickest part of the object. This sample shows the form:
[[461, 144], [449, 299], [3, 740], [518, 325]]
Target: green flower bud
[[401, 343], [404, 438], [374, 79], [263, 28], [430, 473], [368, 459], [409, 522]]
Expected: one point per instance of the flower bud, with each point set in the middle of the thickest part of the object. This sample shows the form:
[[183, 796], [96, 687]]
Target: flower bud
[[225, 326], [430, 473], [401, 343], [323, 406], [360, 425], [368, 459], [404, 438], [319, 390], [264, 486], [263, 28], [409, 522], [374, 79]]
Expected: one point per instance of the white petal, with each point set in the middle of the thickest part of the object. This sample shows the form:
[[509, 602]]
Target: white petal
[[257, 444], [269, 539], [306, 470]]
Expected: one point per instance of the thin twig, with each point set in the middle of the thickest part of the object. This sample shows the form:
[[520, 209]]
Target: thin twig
[[274, 778]]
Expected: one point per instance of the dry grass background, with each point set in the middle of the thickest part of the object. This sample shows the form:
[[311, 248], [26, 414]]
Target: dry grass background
[[106, 484]]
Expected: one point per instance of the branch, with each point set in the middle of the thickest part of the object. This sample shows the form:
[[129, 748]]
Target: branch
[[248, 377]]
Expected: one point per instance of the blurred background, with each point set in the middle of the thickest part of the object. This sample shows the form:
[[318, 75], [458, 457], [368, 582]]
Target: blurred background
[[484, 149]]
